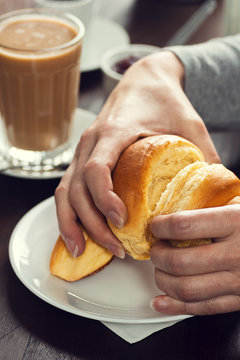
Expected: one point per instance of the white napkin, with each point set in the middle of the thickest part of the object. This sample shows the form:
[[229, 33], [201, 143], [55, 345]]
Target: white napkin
[[133, 333]]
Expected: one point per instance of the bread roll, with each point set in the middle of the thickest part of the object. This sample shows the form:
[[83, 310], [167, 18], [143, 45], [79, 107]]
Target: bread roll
[[161, 175], [142, 174], [156, 175], [140, 177]]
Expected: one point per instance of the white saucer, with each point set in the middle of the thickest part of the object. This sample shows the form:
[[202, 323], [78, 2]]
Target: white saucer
[[106, 34], [119, 293], [82, 120]]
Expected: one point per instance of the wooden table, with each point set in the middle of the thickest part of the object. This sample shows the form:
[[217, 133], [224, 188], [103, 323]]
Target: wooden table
[[32, 329]]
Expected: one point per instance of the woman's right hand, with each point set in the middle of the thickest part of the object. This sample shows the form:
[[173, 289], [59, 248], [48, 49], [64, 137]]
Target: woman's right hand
[[149, 100]]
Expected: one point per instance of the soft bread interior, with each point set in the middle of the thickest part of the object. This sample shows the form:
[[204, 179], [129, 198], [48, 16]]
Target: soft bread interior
[[198, 185], [140, 177], [179, 191], [178, 196], [164, 169]]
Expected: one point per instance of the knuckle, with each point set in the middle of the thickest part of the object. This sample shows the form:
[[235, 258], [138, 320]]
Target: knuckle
[[197, 126], [90, 166], [200, 126], [176, 263], [186, 291], [60, 189], [87, 133], [86, 138], [104, 129], [178, 226]]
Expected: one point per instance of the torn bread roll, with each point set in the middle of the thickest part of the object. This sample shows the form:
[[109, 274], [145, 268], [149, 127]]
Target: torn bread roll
[[142, 174], [161, 175], [65, 266]]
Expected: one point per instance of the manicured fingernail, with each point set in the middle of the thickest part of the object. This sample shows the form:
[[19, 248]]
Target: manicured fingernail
[[72, 247], [115, 219], [159, 304], [117, 251], [151, 304]]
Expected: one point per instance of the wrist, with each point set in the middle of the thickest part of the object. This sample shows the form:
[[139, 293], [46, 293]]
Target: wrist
[[166, 61]]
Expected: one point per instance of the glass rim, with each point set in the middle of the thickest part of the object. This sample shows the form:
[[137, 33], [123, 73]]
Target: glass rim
[[63, 4], [61, 15]]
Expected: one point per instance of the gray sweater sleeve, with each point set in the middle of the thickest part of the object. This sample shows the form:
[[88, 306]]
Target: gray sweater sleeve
[[212, 80]]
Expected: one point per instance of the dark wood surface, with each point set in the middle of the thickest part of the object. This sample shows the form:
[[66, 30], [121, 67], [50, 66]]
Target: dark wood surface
[[32, 329]]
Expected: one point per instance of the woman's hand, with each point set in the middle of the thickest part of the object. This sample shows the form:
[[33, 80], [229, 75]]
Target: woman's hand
[[200, 280], [149, 100]]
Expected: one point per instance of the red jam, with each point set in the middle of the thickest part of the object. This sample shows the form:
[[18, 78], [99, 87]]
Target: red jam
[[121, 66]]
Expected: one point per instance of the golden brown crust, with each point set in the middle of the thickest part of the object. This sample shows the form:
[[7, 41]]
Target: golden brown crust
[[220, 186], [65, 266], [139, 178]]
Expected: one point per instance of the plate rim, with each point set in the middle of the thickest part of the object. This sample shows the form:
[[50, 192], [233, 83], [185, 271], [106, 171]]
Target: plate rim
[[42, 206]]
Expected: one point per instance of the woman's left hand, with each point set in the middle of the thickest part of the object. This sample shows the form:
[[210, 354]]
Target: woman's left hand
[[199, 280]]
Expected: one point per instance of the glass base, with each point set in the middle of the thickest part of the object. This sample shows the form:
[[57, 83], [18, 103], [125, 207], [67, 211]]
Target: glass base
[[39, 160]]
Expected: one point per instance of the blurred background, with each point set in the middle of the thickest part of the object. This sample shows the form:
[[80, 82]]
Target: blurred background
[[173, 22]]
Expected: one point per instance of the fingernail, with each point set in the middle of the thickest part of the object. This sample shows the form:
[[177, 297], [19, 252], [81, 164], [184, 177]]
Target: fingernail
[[151, 304], [72, 247], [117, 251], [115, 219], [159, 304]]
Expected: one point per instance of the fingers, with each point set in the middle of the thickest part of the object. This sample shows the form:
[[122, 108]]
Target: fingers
[[91, 194], [198, 287], [75, 203], [197, 224], [198, 280], [67, 218], [91, 218], [84, 192], [98, 180], [97, 176], [182, 261], [222, 304]]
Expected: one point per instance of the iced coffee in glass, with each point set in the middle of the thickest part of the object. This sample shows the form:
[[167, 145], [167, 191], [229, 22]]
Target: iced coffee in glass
[[39, 81]]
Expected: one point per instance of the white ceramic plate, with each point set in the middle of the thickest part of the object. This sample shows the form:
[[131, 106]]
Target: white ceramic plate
[[82, 120], [119, 293], [106, 34]]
